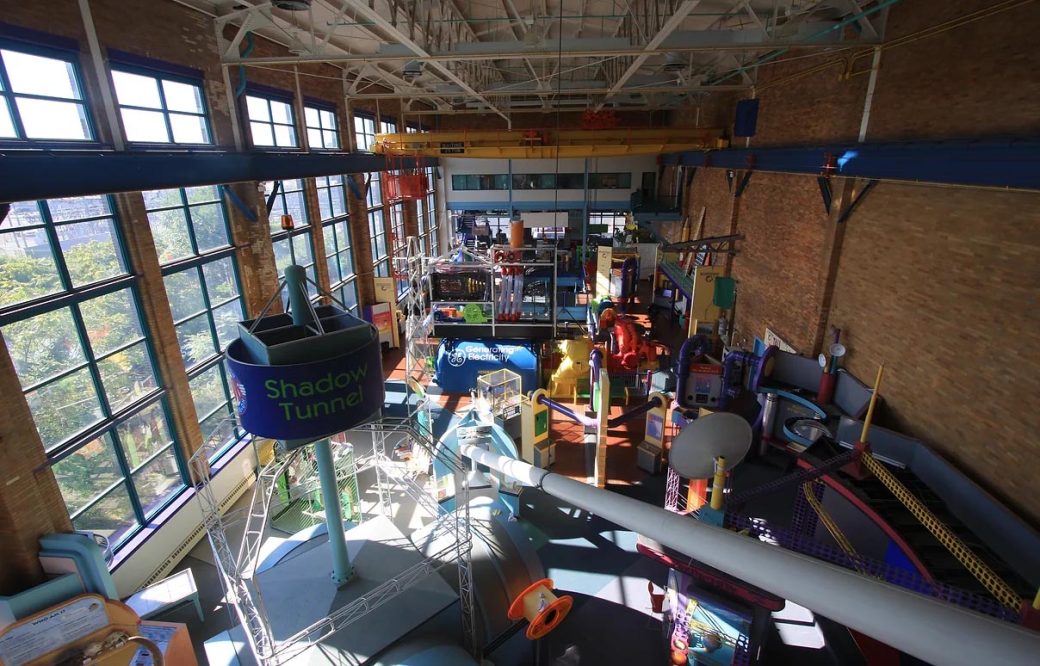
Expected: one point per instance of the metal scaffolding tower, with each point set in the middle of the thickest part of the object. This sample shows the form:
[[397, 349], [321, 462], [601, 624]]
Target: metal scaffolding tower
[[238, 570]]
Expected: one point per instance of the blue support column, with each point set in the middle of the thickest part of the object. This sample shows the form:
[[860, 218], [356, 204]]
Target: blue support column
[[342, 569], [302, 315]]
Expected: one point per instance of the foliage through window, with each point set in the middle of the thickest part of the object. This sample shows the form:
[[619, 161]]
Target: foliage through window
[[332, 196], [340, 261], [157, 109], [271, 122], [200, 275], [291, 246], [41, 98], [339, 258], [70, 318]]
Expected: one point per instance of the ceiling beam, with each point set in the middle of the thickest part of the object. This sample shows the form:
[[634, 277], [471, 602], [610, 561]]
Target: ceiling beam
[[487, 52], [868, 27], [670, 26], [564, 91], [254, 8], [362, 9]]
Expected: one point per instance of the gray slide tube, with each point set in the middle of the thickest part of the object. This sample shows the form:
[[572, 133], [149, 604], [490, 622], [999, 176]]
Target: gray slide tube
[[926, 628]]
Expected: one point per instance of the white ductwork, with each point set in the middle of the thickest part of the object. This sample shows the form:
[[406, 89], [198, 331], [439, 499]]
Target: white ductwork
[[926, 628]]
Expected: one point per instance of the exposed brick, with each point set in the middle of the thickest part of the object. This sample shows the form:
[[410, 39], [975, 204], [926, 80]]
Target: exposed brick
[[976, 80], [941, 284], [30, 502]]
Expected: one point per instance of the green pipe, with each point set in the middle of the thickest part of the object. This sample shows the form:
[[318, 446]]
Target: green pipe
[[779, 52], [342, 571]]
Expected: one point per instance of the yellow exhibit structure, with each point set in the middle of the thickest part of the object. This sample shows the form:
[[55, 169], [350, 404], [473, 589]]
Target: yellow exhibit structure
[[573, 372], [548, 143]]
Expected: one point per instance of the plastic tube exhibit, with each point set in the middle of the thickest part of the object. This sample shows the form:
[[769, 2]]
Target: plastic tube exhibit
[[920, 626]]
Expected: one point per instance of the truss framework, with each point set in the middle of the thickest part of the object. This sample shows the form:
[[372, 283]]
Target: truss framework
[[449, 54], [236, 570]]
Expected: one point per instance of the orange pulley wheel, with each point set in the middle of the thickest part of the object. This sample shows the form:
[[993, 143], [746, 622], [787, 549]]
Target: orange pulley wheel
[[543, 609]]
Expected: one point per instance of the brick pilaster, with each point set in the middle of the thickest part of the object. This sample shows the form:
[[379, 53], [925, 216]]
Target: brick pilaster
[[252, 238], [31, 504], [158, 319]]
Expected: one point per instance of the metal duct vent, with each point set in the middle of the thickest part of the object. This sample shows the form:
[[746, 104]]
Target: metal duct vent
[[292, 5], [674, 62], [412, 70]]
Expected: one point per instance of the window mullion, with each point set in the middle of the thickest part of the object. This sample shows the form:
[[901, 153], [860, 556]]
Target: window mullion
[[165, 111], [188, 218], [209, 308], [56, 253], [124, 467], [16, 118]]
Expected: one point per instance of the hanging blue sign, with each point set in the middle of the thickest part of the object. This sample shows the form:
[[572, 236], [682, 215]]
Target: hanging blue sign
[[307, 401]]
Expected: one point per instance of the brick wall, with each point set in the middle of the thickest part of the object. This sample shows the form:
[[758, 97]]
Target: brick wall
[[778, 262], [941, 284], [711, 193], [976, 80]]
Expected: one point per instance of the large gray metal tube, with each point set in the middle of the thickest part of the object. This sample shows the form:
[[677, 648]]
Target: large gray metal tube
[[926, 628]]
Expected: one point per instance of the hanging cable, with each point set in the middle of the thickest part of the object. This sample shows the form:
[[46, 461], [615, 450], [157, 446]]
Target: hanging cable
[[559, 88]]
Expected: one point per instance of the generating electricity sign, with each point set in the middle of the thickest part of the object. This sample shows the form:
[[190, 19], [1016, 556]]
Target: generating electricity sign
[[306, 401]]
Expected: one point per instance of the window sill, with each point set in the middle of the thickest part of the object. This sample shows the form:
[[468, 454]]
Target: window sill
[[143, 534]]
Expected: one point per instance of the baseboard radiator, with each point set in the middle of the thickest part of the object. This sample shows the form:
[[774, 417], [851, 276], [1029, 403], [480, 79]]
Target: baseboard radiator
[[196, 535]]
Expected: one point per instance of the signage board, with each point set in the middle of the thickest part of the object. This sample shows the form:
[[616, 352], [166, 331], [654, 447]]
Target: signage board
[[307, 401]]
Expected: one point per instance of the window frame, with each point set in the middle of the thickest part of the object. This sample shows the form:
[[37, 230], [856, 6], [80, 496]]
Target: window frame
[[320, 106], [298, 230], [105, 428], [329, 231], [197, 263], [68, 53], [126, 64], [364, 117], [269, 95]]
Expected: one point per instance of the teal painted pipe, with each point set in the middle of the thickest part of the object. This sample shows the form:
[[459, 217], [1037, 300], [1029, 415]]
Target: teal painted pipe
[[302, 315], [342, 570]]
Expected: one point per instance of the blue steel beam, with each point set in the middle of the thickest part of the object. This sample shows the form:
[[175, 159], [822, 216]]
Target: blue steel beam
[[1010, 163], [46, 175]]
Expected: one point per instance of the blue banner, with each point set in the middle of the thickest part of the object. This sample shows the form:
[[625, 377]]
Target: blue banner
[[307, 401], [460, 362]]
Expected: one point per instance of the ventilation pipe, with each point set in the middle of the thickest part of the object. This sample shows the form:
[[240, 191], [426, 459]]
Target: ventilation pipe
[[926, 628]]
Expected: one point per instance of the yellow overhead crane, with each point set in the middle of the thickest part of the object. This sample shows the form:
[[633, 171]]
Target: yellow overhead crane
[[548, 143]]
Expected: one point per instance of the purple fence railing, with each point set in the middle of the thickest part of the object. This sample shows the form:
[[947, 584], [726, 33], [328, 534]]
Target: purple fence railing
[[800, 543]]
